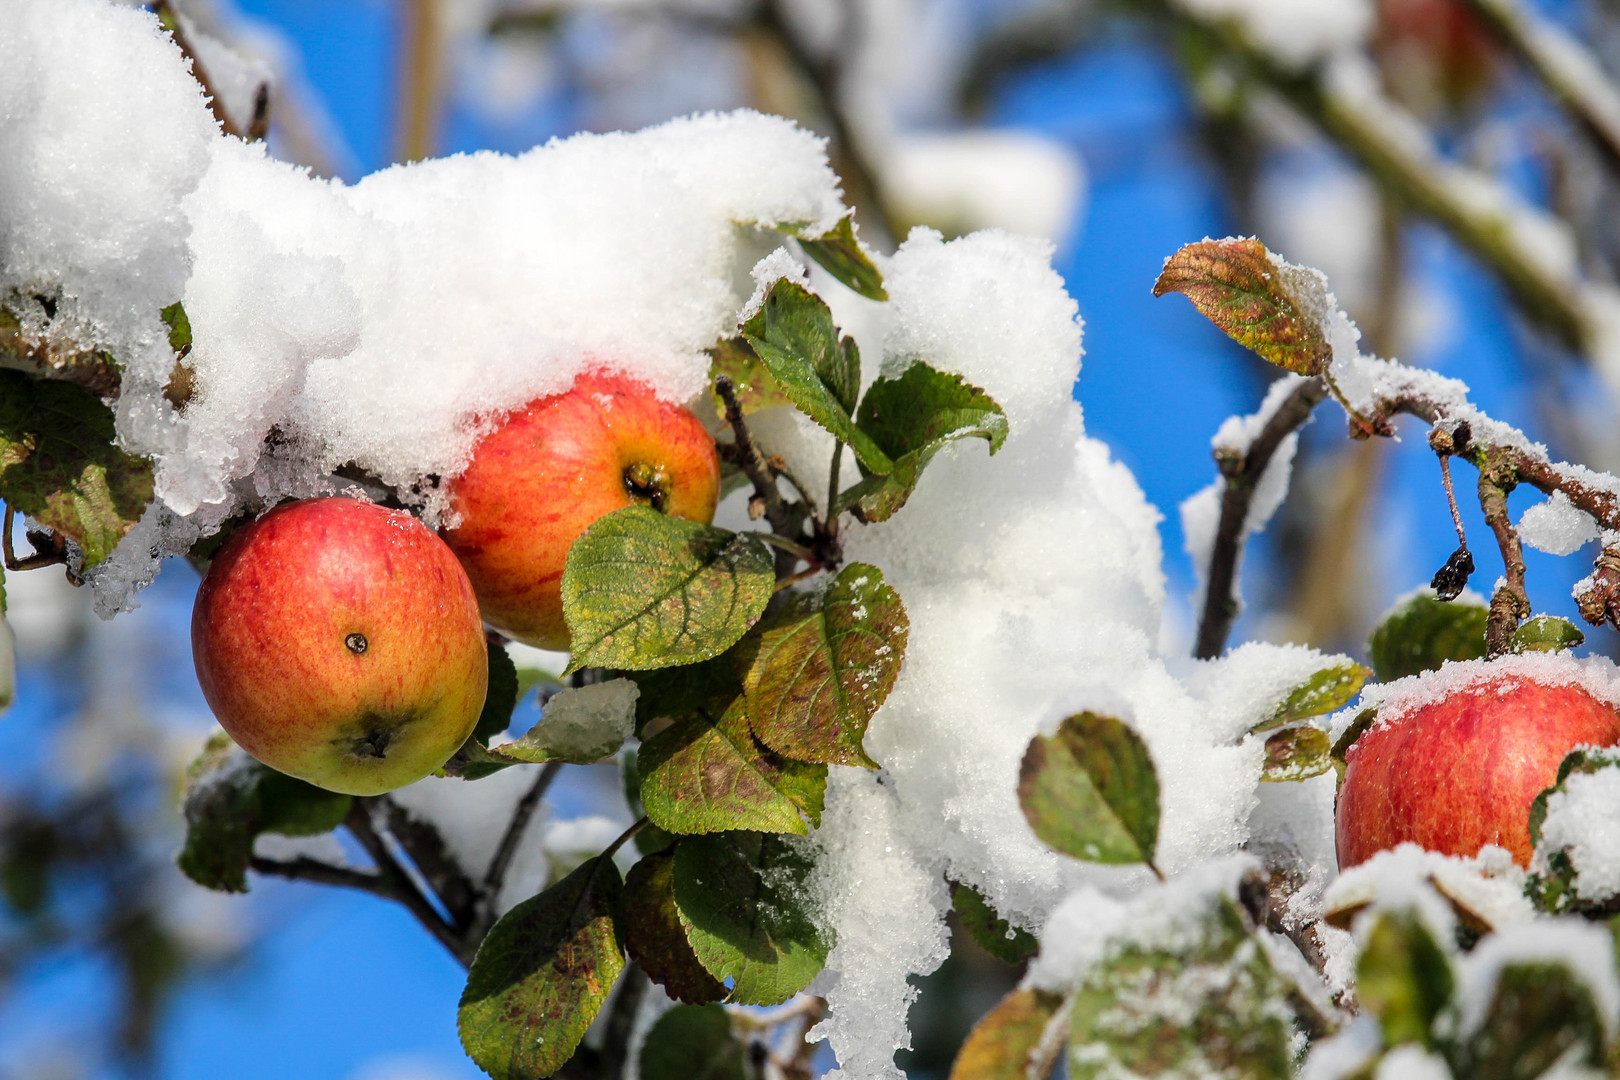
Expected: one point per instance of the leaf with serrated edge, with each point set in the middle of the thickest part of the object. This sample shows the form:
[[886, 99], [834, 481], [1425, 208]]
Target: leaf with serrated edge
[[1235, 285], [994, 934], [841, 255], [743, 902], [1546, 633], [58, 464], [1326, 691], [818, 679], [794, 336], [645, 590], [653, 936], [694, 1042], [700, 777], [1297, 753], [541, 975], [1090, 791], [1014, 1040]]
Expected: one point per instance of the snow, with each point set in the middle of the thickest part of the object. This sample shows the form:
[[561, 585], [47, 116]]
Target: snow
[[1585, 948], [1597, 675], [1556, 526], [1488, 886], [1583, 820]]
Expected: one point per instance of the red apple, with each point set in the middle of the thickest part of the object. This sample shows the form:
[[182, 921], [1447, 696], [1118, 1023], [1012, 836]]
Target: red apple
[[1461, 771], [541, 478], [340, 642]]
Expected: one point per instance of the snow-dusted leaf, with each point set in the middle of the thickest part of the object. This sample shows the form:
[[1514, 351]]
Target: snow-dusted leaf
[[754, 387], [644, 590], [1403, 977], [1582, 759], [1090, 791], [653, 936], [994, 934], [819, 370], [744, 904], [841, 255], [1422, 633], [1234, 284], [911, 418], [541, 975], [1541, 1015], [1297, 753], [230, 799], [694, 1042], [1545, 633], [821, 672], [699, 776], [58, 464], [1326, 691], [175, 318], [579, 725], [1212, 1005], [1013, 1041]]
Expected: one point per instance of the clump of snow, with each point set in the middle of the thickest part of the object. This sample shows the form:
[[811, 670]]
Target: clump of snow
[[1585, 948], [1488, 886], [589, 722], [1583, 820], [1411, 1062], [1346, 1054], [1295, 32], [1556, 526], [967, 180]]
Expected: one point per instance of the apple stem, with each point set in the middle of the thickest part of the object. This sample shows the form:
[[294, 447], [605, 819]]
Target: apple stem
[[1510, 603]]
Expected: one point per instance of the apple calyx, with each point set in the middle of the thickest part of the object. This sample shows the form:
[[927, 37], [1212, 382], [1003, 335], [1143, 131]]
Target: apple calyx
[[647, 482]]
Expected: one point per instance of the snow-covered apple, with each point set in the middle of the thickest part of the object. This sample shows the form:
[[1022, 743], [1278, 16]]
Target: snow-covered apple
[[1453, 764], [340, 642], [548, 471]]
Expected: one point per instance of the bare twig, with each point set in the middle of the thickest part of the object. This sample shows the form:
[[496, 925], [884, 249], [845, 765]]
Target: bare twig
[[420, 73], [1599, 601], [1509, 603], [401, 887], [258, 123], [1242, 475], [304, 868], [495, 876], [426, 848], [621, 1019]]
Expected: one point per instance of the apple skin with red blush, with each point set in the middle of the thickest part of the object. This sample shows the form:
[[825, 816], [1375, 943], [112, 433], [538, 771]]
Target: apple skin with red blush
[[1460, 772], [340, 642]]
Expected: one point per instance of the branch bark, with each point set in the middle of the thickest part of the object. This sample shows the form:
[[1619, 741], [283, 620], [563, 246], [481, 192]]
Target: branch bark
[[400, 886], [489, 890], [1221, 605]]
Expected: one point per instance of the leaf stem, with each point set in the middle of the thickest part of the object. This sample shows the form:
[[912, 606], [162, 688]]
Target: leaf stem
[[624, 837], [831, 525]]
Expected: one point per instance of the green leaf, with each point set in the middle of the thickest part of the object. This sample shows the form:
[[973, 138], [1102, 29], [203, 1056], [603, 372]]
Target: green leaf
[[58, 464], [820, 675], [1545, 633], [694, 1042], [654, 937], [1327, 691], [1090, 791], [541, 975], [1211, 1005], [1008, 1041], [645, 590], [1422, 633], [1542, 1014], [1297, 753], [1358, 727], [1403, 978], [1551, 885], [752, 382], [230, 799], [994, 934], [744, 904], [706, 689], [174, 317], [580, 725], [703, 777], [911, 418], [820, 372], [843, 256], [1582, 759], [1235, 285], [502, 697]]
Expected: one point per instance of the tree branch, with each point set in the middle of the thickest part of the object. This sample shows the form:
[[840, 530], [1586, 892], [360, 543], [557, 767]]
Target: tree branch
[[258, 123], [304, 868], [1509, 603], [495, 876], [1570, 73], [1243, 475], [400, 885], [786, 519]]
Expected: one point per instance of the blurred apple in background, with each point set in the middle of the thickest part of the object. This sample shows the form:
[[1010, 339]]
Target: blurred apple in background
[[549, 471], [340, 642], [1461, 771]]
